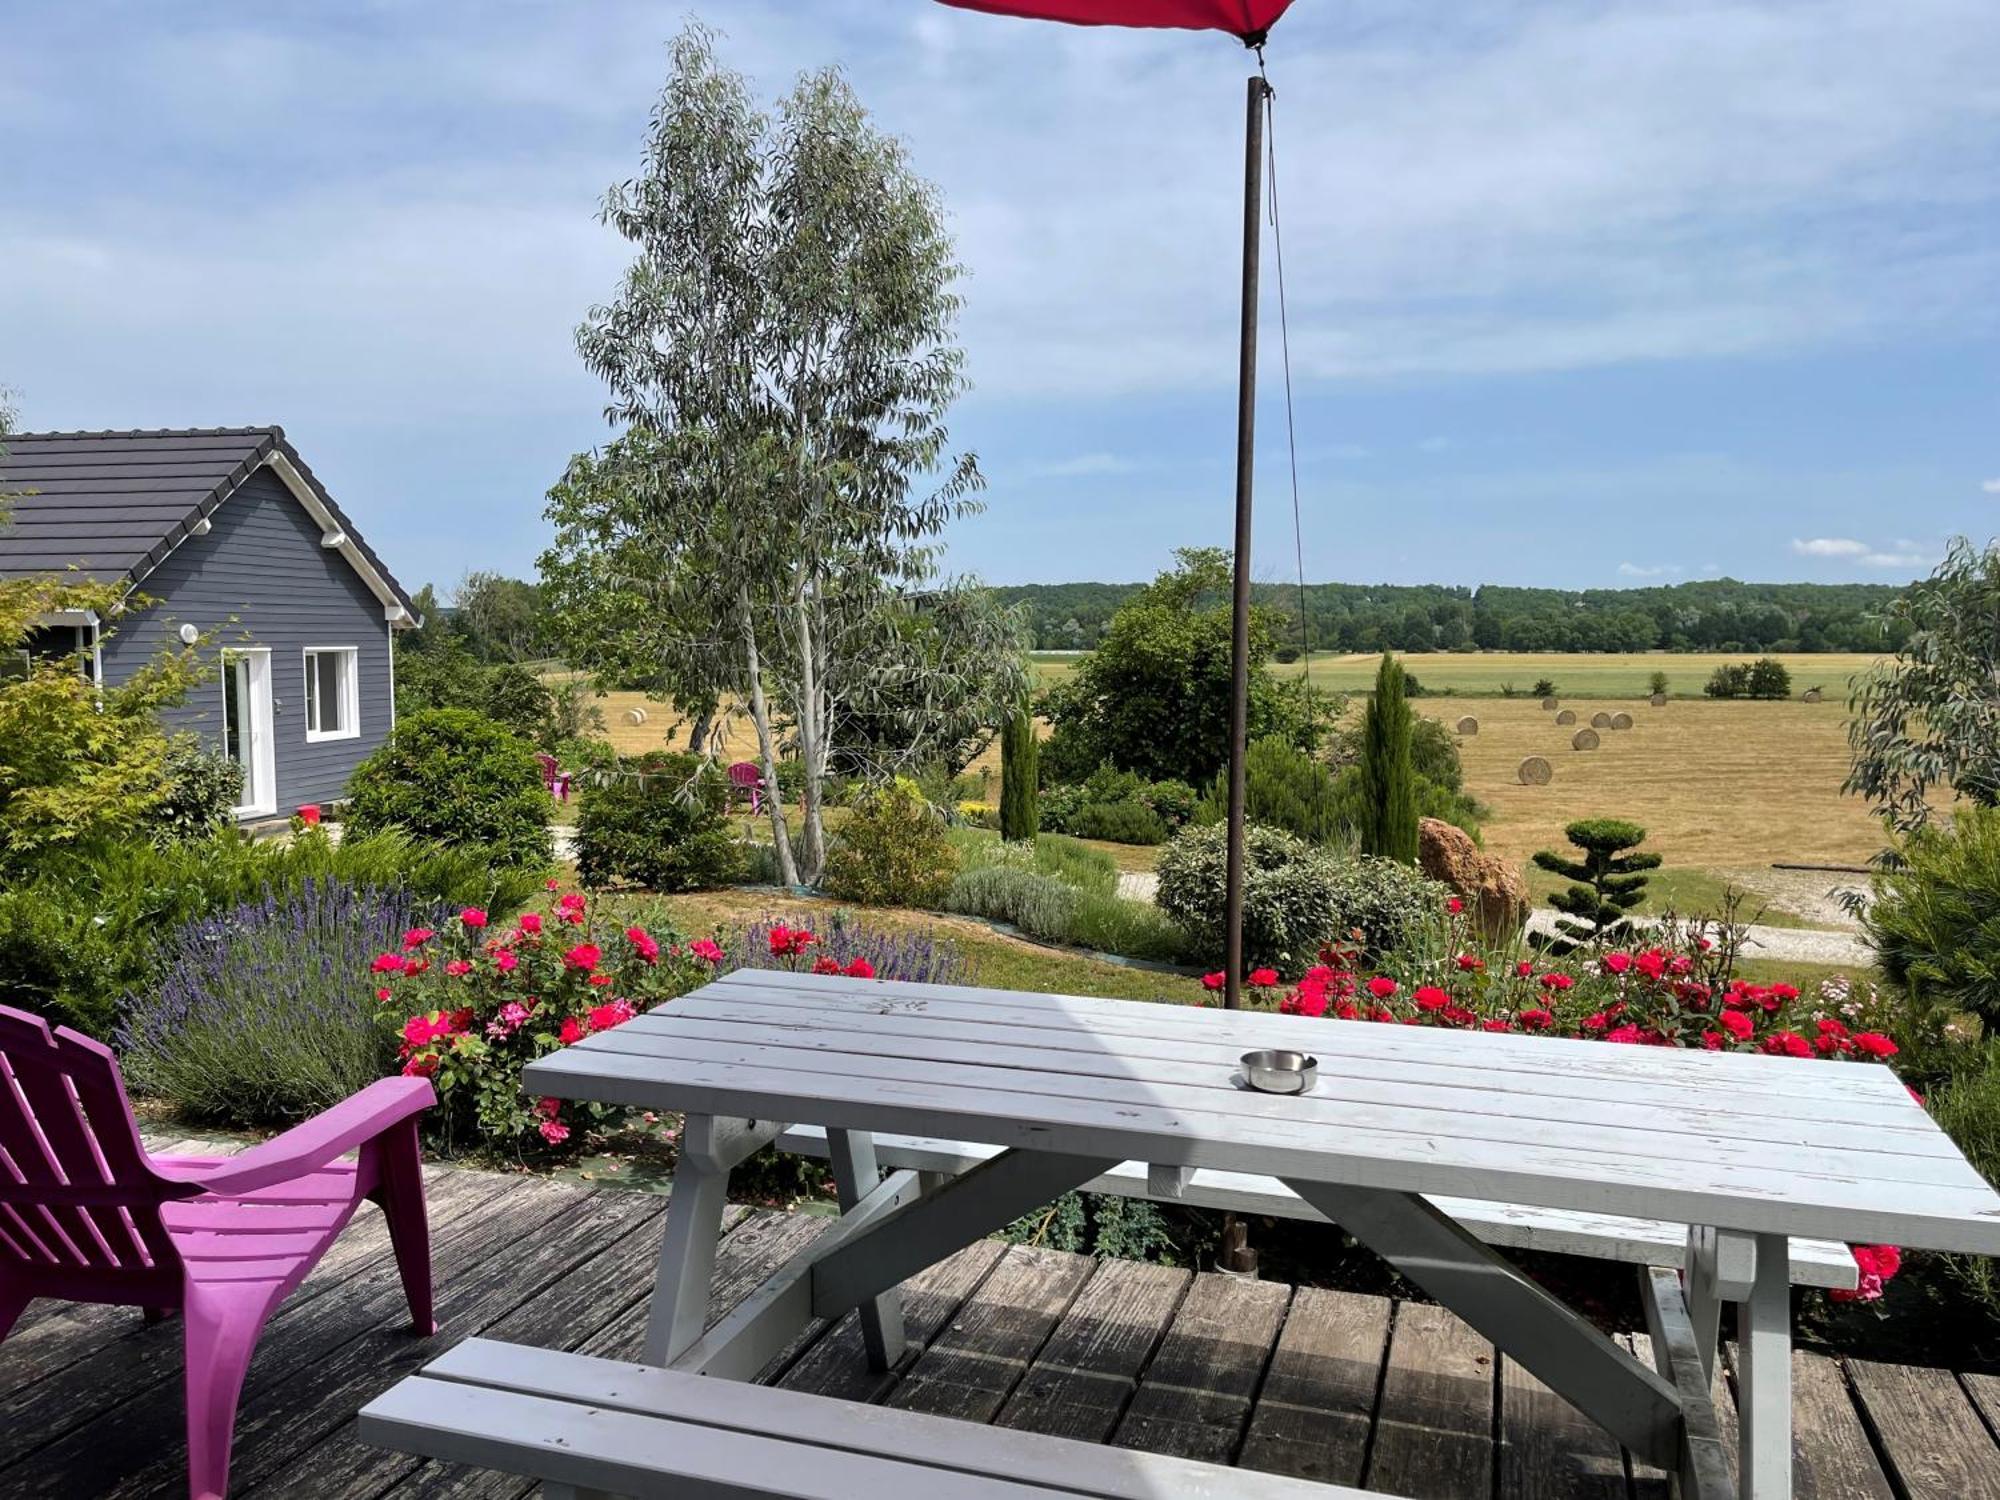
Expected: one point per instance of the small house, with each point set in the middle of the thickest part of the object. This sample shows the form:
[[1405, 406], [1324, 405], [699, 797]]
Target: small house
[[236, 543]]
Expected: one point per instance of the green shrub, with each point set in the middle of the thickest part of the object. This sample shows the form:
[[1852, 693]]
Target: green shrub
[[1730, 680], [1071, 862], [1379, 904], [1605, 884], [1388, 792], [1040, 905], [266, 1013], [449, 777], [204, 789], [1126, 822], [87, 932], [1657, 683], [661, 821], [1544, 687], [1288, 907], [1768, 678], [1968, 1110], [1286, 788], [1132, 929], [1935, 917], [1120, 807], [893, 850]]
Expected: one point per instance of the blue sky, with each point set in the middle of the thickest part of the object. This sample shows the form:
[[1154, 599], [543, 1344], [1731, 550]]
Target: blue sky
[[1582, 292]]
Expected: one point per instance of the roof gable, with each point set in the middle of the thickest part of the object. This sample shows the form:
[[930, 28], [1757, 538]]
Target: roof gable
[[114, 504]]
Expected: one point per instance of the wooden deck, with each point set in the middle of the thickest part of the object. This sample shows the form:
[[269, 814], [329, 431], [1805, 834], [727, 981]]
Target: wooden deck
[[1401, 1397]]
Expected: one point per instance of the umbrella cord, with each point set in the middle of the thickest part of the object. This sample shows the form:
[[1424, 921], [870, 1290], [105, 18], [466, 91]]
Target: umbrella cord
[[1291, 425]]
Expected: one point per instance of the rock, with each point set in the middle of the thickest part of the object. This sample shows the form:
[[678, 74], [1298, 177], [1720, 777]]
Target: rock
[[1494, 894]]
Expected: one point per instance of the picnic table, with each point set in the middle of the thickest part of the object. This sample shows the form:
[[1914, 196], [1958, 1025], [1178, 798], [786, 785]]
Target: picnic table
[[1748, 1151]]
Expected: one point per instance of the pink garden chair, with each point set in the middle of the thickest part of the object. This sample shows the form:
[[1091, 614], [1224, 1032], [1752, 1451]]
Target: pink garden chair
[[555, 780], [745, 776], [86, 1214]]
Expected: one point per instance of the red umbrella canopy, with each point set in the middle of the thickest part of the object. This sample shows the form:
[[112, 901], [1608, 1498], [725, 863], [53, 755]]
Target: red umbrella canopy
[[1249, 19]]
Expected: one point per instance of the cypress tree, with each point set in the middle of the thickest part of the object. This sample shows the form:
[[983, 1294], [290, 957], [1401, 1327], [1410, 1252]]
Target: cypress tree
[[1388, 776], [1020, 766]]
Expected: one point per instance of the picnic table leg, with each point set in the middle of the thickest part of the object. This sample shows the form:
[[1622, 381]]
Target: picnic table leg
[[709, 1148], [1764, 1374], [856, 1175]]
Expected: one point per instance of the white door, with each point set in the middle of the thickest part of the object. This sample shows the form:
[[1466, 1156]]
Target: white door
[[246, 728]]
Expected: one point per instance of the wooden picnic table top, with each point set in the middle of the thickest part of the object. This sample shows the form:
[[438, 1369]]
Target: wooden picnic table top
[[1739, 1141]]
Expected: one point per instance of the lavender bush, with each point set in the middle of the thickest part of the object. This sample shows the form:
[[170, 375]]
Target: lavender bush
[[263, 1014], [890, 954]]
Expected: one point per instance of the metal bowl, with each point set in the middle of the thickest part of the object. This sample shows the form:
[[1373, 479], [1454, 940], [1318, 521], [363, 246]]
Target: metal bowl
[[1279, 1072]]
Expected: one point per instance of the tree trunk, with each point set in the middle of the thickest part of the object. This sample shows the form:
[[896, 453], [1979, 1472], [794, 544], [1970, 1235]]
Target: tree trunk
[[698, 731], [774, 804], [812, 726]]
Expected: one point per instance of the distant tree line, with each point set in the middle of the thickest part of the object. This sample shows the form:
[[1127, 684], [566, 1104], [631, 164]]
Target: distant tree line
[[1711, 615]]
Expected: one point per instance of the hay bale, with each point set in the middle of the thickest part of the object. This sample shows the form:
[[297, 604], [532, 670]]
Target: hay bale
[[1567, 716], [1584, 739], [635, 716], [1535, 771], [1550, 705], [1812, 695], [1600, 720], [1658, 700], [1621, 720], [1468, 725]]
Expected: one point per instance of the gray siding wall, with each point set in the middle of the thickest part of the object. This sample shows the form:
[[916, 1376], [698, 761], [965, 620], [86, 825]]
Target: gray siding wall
[[261, 578]]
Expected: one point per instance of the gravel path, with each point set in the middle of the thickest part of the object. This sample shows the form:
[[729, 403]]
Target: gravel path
[[1791, 944]]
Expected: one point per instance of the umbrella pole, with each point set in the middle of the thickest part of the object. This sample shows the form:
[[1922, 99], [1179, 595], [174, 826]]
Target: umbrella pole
[[1246, 423]]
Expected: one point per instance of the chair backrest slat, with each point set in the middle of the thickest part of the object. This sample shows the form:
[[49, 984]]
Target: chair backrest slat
[[66, 1127]]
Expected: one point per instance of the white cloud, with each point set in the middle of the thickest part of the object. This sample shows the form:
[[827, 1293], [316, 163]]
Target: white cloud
[[1901, 553], [1083, 465], [1659, 570], [1991, 486], [1830, 546]]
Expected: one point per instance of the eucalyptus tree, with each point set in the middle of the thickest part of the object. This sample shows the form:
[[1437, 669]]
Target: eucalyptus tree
[[1927, 720], [784, 340]]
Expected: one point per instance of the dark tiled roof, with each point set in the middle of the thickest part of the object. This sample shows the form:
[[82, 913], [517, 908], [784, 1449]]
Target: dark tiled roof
[[113, 504]]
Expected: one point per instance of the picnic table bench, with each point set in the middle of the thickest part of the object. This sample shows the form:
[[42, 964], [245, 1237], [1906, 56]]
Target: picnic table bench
[[1751, 1152]]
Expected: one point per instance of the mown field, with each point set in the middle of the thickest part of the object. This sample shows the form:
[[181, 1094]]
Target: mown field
[[1489, 674], [1722, 787]]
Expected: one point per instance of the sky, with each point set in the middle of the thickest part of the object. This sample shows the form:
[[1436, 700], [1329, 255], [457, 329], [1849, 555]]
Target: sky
[[1579, 293]]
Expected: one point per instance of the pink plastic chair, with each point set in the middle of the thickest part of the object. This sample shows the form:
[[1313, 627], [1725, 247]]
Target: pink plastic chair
[[555, 780], [86, 1214], [745, 776]]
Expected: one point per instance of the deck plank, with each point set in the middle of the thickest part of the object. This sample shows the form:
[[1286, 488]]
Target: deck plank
[[1434, 1437], [972, 1367], [1317, 1405], [142, 1368], [835, 1363], [1548, 1449], [1832, 1458], [1195, 1399], [1085, 1376], [1929, 1430]]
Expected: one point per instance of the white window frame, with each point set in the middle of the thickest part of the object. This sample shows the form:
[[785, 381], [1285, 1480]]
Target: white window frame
[[350, 693], [260, 782]]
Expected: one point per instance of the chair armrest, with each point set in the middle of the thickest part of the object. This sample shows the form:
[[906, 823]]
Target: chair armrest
[[309, 1146]]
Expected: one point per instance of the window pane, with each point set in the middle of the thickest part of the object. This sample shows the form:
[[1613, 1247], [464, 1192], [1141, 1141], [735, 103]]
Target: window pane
[[332, 702]]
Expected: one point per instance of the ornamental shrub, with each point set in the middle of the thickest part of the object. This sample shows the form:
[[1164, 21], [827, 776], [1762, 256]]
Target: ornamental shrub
[[1935, 917], [1388, 791], [264, 1014], [1020, 777], [1604, 885], [893, 850], [1286, 788], [1040, 905], [469, 1002], [1377, 903], [451, 778], [659, 821], [1288, 907], [85, 933], [204, 788]]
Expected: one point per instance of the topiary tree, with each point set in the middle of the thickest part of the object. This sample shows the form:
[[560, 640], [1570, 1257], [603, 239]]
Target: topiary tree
[[1388, 825], [1606, 883], [451, 778], [1020, 777]]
